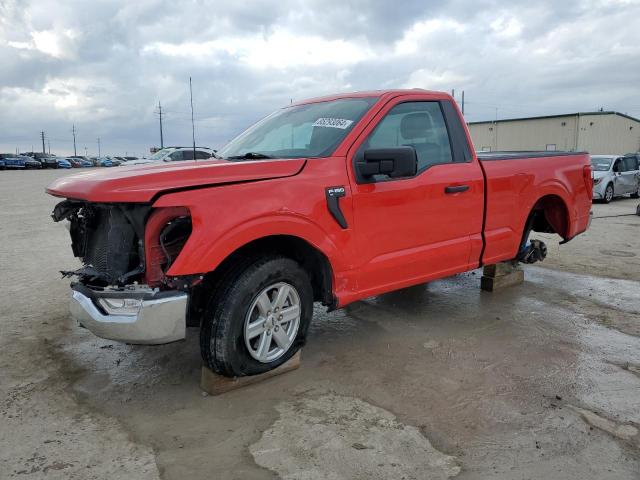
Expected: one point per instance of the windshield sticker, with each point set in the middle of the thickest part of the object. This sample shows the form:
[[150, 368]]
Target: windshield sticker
[[332, 123]]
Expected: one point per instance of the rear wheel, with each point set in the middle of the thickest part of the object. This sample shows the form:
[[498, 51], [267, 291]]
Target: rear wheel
[[637, 192], [258, 317], [608, 193]]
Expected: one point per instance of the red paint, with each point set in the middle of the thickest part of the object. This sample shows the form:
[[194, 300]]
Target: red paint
[[400, 232], [140, 183]]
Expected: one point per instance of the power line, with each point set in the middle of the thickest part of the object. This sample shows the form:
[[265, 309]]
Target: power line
[[160, 115], [73, 129]]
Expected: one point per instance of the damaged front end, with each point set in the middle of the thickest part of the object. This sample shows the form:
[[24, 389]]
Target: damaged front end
[[122, 291]]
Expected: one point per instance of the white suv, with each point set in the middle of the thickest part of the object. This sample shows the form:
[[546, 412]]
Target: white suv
[[174, 154]]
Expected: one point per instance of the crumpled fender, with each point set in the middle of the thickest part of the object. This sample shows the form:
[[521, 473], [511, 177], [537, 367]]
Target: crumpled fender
[[203, 254]]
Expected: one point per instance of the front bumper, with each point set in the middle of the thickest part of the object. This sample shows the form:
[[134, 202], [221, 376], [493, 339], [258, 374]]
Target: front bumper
[[160, 317], [598, 190]]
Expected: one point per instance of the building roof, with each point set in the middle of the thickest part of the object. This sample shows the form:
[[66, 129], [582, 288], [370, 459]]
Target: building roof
[[578, 114]]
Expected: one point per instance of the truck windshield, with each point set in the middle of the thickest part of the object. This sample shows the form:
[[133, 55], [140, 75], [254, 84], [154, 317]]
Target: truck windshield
[[302, 131], [601, 164]]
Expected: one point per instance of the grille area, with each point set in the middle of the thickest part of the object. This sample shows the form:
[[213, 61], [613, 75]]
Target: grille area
[[111, 249], [108, 238]]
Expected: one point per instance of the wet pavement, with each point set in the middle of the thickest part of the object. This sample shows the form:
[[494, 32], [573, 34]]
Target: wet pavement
[[436, 381]]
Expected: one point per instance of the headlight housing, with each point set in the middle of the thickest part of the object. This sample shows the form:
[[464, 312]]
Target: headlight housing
[[120, 306], [596, 181]]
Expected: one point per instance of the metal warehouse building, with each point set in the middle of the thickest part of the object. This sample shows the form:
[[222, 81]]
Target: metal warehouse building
[[593, 132]]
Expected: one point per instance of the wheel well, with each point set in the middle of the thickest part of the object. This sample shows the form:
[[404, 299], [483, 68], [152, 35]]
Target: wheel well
[[310, 258], [549, 215]]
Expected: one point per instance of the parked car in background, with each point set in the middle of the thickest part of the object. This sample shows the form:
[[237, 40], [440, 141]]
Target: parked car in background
[[63, 163], [75, 162], [115, 161], [614, 176], [81, 158], [104, 162], [11, 160], [176, 154], [1, 164], [31, 163], [46, 160]]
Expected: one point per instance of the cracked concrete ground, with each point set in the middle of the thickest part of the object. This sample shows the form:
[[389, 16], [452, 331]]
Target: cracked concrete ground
[[439, 380]]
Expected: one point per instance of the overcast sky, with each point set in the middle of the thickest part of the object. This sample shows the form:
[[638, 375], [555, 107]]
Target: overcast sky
[[104, 65]]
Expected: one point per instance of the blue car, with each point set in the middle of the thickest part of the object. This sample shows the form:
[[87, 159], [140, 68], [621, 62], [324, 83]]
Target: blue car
[[1, 164], [63, 163], [105, 162], [12, 161]]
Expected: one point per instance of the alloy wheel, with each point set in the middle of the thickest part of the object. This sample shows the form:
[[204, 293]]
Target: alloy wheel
[[272, 322]]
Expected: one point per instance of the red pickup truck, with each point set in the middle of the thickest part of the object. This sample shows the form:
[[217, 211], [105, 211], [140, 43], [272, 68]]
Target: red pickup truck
[[328, 200]]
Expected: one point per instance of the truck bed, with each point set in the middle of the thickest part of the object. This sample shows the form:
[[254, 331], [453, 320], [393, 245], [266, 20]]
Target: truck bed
[[514, 187]]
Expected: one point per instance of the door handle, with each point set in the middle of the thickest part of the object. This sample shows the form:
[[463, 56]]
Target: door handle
[[456, 188]]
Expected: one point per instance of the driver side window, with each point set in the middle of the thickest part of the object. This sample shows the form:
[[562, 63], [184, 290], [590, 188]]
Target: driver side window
[[416, 124], [618, 166]]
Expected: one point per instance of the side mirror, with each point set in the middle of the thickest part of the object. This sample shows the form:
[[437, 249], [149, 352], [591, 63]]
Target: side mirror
[[395, 162]]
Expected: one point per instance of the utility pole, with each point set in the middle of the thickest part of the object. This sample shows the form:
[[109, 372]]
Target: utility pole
[[42, 136], [160, 115], [49, 145], [75, 153], [463, 103], [99, 147], [193, 127], [453, 93]]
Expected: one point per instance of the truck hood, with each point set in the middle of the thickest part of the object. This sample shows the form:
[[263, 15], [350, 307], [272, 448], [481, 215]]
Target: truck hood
[[141, 183]]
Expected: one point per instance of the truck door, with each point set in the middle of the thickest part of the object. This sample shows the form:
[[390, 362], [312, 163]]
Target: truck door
[[424, 226]]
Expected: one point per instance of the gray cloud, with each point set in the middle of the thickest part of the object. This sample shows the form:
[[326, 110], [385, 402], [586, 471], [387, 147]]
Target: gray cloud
[[105, 65]]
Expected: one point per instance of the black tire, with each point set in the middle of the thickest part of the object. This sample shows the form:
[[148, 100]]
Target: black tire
[[637, 194], [607, 198], [222, 342]]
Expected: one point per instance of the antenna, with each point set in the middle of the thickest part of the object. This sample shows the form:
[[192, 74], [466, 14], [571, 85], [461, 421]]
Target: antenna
[[193, 128]]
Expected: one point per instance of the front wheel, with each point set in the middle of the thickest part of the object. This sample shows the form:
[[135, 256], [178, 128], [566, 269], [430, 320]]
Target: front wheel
[[608, 193], [258, 318], [637, 193]]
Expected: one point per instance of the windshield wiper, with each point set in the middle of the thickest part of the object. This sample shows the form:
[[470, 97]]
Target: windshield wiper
[[249, 156]]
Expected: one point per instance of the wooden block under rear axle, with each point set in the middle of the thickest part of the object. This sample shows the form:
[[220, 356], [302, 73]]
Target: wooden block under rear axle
[[215, 384], [501, 275]]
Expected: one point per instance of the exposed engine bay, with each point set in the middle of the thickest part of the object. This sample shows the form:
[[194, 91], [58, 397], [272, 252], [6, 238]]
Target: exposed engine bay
[[121, 244]]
